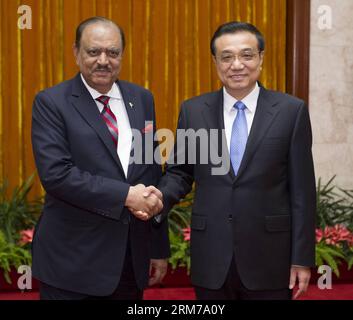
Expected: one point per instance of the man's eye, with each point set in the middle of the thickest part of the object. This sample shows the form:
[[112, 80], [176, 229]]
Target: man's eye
[[227, 58], [92, 52], [247, 56], [114, 54]]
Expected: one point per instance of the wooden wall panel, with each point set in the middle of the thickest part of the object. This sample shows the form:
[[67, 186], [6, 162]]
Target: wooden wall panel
[[167, 51]]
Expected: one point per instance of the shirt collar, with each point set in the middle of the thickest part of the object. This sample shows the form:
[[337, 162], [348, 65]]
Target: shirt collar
[[250, 100], [114, 92]]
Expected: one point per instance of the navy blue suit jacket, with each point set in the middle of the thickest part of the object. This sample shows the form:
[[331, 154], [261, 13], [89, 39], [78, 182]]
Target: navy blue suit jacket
[[81, 238], [265, 215]]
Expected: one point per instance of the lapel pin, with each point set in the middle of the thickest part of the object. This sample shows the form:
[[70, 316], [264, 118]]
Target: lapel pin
[[131, 104]]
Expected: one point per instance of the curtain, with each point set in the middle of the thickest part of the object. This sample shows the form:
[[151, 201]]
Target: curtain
[[167, 52]]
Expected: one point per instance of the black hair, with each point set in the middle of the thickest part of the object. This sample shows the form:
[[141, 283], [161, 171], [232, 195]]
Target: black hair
[[234, 27], [92, 20]]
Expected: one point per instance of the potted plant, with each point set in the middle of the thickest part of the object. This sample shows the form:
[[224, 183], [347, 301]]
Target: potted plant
[[334, 233], [11, 257], [179, 237], [17, 218]]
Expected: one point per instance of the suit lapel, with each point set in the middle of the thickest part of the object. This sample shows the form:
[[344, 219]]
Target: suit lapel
[[213, 114], [266, 112], [85, 105], [214, 118], [133, 109]]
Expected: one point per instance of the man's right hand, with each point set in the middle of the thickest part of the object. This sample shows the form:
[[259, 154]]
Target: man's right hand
[[144, 203]]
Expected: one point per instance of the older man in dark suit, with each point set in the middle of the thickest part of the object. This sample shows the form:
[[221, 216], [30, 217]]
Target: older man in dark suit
[[90, 241], [252, 228]]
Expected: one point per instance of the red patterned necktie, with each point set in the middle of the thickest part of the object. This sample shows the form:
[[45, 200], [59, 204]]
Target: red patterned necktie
[[109, 118]]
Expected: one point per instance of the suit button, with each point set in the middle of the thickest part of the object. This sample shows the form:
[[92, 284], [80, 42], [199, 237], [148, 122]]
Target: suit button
[[230, 218]]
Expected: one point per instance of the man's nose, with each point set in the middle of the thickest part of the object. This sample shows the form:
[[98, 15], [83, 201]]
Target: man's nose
[[237, 64], [103, 59]]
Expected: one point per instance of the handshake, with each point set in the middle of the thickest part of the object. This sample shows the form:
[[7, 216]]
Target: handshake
[[144, 202]]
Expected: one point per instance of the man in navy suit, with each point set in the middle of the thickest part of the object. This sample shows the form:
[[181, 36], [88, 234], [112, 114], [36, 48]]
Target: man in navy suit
[[91, 242], [252, 226]]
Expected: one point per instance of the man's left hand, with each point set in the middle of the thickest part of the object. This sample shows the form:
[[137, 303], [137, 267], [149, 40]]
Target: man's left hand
[[158, 270], [303, 276]]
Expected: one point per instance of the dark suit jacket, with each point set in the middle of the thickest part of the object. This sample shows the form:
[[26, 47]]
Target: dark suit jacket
[[265, 214], [82, 235]]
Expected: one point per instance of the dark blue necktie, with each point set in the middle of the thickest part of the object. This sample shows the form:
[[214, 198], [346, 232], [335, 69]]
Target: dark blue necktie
[[239, 136]]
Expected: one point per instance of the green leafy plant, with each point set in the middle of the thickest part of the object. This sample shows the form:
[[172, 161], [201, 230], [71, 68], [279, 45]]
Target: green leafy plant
[[16, 211], [179, 233], [334, 233], [12, 255], [18, 216], [328, 255], [334, 245], [334, 205], [180, 216], [180, 251]]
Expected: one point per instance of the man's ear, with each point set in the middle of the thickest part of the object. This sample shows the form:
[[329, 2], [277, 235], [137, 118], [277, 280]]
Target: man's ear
[[75, 51], [214, 59], [262, 53]]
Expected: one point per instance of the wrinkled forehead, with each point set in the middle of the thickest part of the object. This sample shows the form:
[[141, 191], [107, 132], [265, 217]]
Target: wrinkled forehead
[[101, 35]]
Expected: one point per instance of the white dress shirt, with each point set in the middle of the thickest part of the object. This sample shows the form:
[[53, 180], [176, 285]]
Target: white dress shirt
[[229, 112], [117, 106]]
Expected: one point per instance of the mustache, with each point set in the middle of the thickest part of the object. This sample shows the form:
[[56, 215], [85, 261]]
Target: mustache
[[102, 69]]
